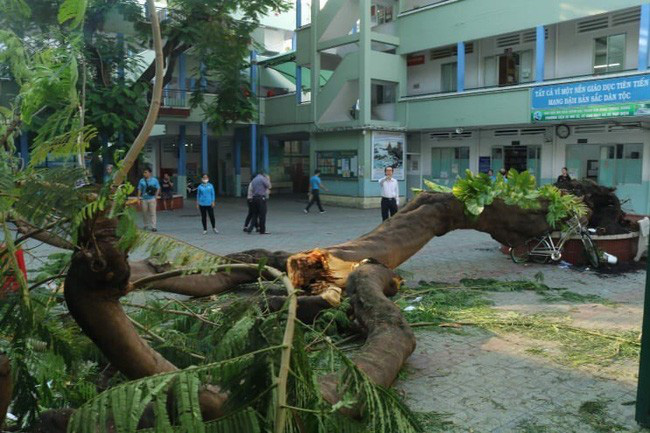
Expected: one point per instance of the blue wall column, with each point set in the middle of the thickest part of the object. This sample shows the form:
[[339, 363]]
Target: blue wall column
[[181, 180], [204, 147], [237, 161], [120, 76], [204, 125], [24, 146], [253, 76], [540, 52], [644, 36], [460, 69], [265, 153]]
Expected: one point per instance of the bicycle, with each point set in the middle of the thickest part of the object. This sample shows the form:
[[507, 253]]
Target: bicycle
[[542, 249]]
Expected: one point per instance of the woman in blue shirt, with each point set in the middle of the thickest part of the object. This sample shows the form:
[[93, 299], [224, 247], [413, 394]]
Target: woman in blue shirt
[[205, 202]]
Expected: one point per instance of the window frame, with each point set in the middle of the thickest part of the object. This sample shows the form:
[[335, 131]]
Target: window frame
[[607, 70]]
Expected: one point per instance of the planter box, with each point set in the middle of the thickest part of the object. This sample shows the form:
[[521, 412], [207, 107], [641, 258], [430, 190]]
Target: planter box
[[623, 246]]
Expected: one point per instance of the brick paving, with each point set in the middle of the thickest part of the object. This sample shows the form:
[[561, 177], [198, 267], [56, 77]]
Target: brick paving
[[482, 382]]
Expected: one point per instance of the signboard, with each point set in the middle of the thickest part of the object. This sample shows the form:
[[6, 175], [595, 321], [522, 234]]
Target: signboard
[[598, 99], [388, 150], [484, 164], [415, 59]]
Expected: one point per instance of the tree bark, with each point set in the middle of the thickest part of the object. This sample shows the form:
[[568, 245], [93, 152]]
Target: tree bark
[[390, 340], [98, 277], [6, 387]]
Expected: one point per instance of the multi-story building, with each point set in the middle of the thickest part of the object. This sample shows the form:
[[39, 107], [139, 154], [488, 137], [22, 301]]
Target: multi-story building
[[438, 87]]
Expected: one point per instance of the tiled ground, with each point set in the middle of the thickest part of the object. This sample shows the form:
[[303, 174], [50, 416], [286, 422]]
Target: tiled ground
[[484, 382]]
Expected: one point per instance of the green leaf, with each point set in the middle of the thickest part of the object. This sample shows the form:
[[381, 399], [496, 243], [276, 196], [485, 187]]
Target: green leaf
[[73, 11]]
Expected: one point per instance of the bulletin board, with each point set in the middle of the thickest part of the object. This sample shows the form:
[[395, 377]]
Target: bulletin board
[[341, 164]]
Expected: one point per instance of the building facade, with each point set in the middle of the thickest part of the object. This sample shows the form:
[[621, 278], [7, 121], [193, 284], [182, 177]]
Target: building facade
[[437, 87]]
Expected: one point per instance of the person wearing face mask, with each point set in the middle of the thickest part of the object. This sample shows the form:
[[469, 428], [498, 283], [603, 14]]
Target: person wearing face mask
[[205, 200]]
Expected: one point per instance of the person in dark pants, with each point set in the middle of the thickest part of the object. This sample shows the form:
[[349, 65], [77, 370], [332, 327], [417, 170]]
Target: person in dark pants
[[205, 199], [389, 194], [316, 184], [249, 200], [260, 187]]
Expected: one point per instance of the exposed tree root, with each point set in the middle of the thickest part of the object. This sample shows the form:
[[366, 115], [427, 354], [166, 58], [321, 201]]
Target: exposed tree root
[[390, 340], [606, 213]]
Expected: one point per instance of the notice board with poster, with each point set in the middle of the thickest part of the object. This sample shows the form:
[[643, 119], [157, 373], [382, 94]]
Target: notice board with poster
[[388, 150], [341, 164]]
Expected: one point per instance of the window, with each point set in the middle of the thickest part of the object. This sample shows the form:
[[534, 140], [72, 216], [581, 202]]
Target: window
[[508, 68], [448, 77], [449, 162], [620, 164], [609, 54]]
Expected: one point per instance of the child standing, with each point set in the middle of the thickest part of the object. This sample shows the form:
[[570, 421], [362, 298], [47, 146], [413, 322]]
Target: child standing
[[205, 203]]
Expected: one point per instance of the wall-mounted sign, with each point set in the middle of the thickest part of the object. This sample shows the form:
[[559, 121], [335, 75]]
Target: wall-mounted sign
[[484, 164], [597, 99], [415, 59], [388, 150]]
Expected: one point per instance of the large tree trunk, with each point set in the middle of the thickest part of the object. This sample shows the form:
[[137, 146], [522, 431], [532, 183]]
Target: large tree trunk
[[98, 277], [100, 274], [390, 340]]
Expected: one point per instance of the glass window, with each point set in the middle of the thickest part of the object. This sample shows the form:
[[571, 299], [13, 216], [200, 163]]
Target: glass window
[[449, 75], [490, 72], [630, 164], [449, 162], [609, 54]]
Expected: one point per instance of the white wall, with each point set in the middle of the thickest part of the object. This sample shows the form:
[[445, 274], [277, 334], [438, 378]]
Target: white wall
[[568, 53], [429, 74], [575, 51]]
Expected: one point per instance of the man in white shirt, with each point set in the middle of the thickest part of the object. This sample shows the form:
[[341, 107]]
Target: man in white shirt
[[389, 194]]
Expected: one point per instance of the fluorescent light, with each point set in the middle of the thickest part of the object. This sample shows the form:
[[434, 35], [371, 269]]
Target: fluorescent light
[[611, 65]]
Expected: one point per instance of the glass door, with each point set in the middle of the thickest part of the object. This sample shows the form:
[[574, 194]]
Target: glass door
[[574, 161], [533, 162], [607, 165]]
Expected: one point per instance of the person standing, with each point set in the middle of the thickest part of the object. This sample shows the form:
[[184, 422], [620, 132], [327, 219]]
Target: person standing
[[148, 192], [166, 195], [260, 187], [249, 200], [205, 199], [389, 194], [316, 184], [108, 175], [491, 175]]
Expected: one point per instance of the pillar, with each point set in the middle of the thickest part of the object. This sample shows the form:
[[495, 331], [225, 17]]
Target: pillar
[[460, 67], [265, 153], [365, 52], [644, 36], [120, 76], [642, 415], [24, 146], [295, 48], [253, 77], [237, 161], [540, 53], [204, 147], [181, 180]]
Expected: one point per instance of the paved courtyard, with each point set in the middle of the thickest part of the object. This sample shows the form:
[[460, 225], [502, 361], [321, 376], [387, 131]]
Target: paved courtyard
[[472, 379], [475, 380]]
